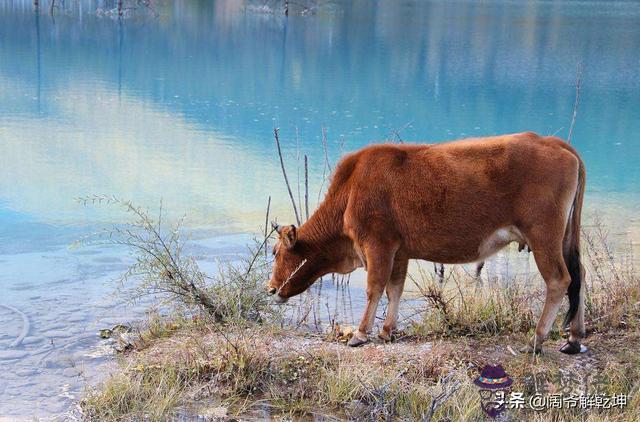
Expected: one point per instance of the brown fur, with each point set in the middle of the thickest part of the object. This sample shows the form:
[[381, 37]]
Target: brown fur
[[456, 202]]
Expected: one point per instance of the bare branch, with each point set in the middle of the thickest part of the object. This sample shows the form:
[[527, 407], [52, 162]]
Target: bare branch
[[306, 187], [286, 179], [577, 101]]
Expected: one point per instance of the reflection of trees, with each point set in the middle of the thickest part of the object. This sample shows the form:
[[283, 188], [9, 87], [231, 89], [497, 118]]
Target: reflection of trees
[[36, 16], [445, 66]]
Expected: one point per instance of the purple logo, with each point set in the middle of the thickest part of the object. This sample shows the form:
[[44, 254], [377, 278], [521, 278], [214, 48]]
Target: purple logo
[[494, 383]]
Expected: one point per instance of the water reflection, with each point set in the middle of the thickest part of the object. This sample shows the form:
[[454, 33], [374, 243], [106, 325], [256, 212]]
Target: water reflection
[[213, 70], [133, 151]]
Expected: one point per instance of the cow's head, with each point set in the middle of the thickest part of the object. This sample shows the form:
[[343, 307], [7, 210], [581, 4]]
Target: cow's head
[[293, 267]]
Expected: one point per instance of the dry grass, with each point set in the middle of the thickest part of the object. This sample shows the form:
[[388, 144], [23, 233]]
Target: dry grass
[[239, 355], [295, 374]]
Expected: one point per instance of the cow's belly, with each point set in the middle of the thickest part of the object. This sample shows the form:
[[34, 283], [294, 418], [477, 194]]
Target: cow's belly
[[498, 240], [454, 250]]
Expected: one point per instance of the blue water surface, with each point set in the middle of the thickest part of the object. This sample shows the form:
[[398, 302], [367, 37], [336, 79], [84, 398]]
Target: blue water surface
[[179, 103]]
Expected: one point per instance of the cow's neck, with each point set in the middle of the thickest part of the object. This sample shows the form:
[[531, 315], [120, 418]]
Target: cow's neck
[[324, 229]]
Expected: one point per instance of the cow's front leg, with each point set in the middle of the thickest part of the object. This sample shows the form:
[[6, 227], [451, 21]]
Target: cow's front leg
[[380, 262]]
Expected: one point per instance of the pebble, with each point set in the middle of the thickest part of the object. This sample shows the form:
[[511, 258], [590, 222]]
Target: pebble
[[216, 412]]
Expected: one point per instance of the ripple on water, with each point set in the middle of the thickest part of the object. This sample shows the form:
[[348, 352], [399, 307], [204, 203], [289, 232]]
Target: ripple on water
[[29, 341], [6, 355]]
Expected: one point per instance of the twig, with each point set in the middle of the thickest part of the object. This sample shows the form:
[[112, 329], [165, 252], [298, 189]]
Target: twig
[[326, 166], [306, 187], [396, 133], [286, 179], [266, 225], [304, 261], [448, 389], [255, 255], [325, 148], [298, 170], [382, 404], [577, 101]]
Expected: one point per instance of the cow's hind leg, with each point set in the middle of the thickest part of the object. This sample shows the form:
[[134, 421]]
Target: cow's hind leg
[[438, 269], [479, 267], [379, 267], [576, 326], [394, 292], [556, 276]]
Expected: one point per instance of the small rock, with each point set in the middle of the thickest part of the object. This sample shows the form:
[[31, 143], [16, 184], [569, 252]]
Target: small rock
[[105, 333], [216, 412], [116, 329]]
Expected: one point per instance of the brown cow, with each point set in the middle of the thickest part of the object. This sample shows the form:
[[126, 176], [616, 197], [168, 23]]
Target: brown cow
[[453, 203]]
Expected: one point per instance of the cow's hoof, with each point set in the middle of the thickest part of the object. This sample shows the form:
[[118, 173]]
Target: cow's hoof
[[573, 348], [356, 341], [531, 350], [385, 336]]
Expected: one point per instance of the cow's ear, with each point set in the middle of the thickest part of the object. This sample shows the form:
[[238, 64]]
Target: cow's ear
[[289, 235]]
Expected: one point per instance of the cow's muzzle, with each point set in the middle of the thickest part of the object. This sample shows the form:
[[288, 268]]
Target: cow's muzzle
[[279, 299], [272, 291]]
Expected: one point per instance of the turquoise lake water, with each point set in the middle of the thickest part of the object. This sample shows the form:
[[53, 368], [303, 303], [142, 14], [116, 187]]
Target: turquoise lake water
[[182, 107]]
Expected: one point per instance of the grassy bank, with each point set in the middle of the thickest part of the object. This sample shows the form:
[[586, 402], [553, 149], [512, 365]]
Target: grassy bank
[[197, 369], [231, 353]]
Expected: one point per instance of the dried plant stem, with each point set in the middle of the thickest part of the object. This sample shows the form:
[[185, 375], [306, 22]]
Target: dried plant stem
[[286, 179], [298, 170], [325, 148], [576, 102], [396, 132], [327, 167], [266, 226], [306, 187]]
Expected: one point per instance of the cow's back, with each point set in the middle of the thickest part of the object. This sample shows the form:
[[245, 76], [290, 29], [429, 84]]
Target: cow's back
[[440, 202]]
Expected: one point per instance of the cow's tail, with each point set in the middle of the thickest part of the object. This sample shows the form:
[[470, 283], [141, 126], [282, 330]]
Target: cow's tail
[[571, 247]]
